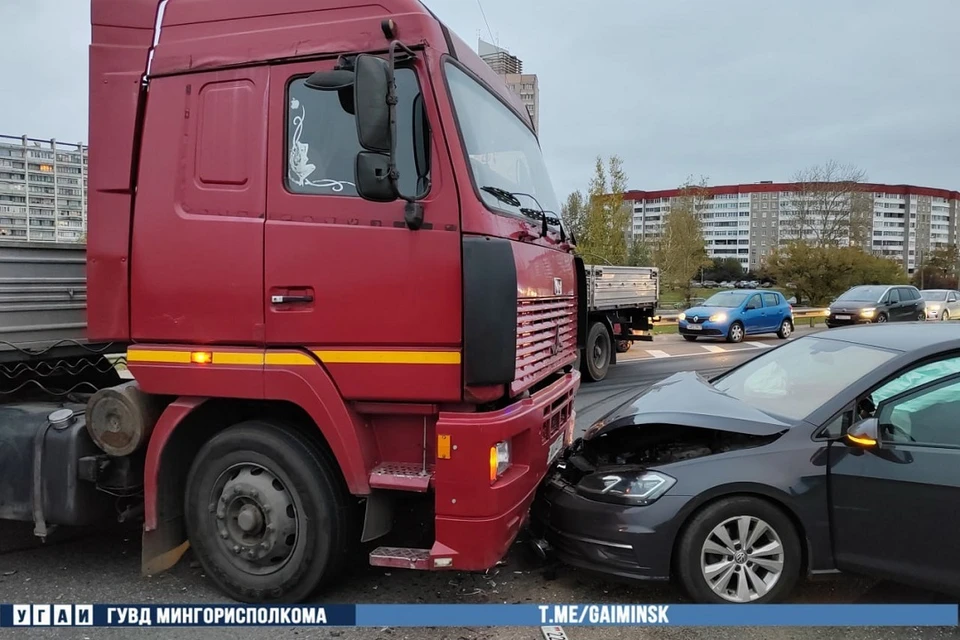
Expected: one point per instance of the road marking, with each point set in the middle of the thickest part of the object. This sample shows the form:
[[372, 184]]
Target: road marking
[[658, 354], [712, 348], [759, 345]]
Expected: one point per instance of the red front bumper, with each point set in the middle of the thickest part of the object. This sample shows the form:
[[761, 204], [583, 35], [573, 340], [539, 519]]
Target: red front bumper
[[476, 519]]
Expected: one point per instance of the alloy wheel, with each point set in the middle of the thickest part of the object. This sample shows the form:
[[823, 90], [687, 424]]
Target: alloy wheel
[[742, 559]]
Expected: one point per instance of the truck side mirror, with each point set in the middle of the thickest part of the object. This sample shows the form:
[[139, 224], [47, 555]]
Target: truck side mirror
[[372, 173], [371, 90]]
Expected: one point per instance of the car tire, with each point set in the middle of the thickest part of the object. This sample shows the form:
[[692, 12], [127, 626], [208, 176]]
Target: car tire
[[735, 332], [690, 338], [944, 316], [786, 329], [596, 354], [882, 318], [267, 514], [922, 316], [694, 555]]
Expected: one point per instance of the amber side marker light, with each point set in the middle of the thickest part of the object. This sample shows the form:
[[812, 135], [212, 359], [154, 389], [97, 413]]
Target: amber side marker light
[[201, 357], [863, 441]]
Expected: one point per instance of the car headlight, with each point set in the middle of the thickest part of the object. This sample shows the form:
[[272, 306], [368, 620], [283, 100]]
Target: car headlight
[[868, 313], [625, 487], [682, 316], [933, 307], [718, 317]]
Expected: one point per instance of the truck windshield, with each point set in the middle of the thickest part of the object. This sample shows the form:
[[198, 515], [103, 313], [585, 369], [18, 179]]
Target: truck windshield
[[504, 155]]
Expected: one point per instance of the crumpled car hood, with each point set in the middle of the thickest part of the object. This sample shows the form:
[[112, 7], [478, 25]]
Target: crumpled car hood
[[687, 399]]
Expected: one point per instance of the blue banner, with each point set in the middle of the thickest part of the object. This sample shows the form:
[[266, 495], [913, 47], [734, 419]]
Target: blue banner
[[447, 615]]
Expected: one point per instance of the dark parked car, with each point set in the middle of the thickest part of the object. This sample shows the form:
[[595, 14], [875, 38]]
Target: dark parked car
[[877, 303], [834, 452]]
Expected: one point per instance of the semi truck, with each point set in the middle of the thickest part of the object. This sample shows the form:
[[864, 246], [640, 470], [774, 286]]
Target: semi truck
[[621, 308], [322, 298]]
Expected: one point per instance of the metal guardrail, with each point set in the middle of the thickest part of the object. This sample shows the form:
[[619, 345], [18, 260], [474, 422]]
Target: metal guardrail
[[806, 313]]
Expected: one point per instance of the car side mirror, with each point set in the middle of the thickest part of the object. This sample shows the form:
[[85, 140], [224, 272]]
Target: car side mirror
[[864, 434]]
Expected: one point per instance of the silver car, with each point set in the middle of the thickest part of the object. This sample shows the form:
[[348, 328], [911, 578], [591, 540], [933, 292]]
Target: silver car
[[942, 304]]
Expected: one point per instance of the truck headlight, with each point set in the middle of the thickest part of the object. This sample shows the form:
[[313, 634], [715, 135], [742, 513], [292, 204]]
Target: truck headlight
[[499, 459], [718, 317], [636, 488]]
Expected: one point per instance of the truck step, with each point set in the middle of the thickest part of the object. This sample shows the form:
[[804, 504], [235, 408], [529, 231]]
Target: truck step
[[400, 476], [400, 558]]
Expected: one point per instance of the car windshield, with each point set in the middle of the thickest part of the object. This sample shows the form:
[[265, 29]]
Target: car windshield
[[727, 299], [504, 154], [934, 296], [863, 294], [794, 380]]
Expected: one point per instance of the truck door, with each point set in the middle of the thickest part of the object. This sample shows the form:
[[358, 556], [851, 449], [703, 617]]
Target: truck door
[[345, 276]]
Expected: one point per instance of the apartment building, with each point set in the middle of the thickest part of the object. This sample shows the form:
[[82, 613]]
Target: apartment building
[[43, 190], [510, 68], [748, 221]]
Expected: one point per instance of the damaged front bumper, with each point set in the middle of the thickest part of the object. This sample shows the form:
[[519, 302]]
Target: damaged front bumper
[[628, 541]]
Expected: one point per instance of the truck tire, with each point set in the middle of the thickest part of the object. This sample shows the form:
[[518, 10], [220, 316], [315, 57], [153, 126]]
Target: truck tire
[[267, 514], [596, 353]]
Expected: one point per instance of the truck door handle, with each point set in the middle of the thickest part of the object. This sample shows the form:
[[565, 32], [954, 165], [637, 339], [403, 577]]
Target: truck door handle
[[290, 299]]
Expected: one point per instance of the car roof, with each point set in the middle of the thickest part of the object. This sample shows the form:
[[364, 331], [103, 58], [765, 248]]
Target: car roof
[[747, 291], [900, 336]]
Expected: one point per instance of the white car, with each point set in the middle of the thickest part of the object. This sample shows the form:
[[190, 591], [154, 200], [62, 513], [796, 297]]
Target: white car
[[942, 304]]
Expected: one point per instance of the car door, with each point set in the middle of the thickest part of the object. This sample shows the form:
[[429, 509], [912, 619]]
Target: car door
[[753, 314], [911, 303], [894, 310], [774, 311], [891, 504], [953, 304]]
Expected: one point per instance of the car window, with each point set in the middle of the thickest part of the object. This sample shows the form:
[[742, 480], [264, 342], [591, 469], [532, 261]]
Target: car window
[[753, 302], [771, 300], [916, 377], [952, 297], [927, 416], [838, 426], [798, 378], [906, 293], [893, 297]]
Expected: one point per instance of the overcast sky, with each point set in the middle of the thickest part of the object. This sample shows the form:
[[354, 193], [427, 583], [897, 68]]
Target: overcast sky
[[735, 90]]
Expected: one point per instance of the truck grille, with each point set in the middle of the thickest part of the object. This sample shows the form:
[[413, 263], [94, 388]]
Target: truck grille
[[556, 416], [546, 338]]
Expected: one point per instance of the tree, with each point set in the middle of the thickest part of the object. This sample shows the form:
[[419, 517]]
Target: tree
[[724, 269], [640, 254], [938, 270], [820, 273], [574, 212], [829, 207], [680, 250], [607, 221]]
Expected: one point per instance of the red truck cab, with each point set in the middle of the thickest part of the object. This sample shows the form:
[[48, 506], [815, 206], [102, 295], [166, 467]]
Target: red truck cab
[[325, 231]]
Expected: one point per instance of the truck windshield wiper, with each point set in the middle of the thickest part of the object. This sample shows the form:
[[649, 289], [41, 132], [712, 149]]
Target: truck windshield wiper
[[547, 217]]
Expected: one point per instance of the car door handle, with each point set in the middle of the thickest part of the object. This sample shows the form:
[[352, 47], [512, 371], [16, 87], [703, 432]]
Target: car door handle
[[290, 299]]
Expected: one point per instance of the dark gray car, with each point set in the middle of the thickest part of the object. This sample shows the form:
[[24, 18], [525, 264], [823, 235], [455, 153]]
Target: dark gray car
[[836, 451], [877, 303]]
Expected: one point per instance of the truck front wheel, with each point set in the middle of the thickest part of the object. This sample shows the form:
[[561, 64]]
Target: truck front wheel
[[596, 353], [266, 513]]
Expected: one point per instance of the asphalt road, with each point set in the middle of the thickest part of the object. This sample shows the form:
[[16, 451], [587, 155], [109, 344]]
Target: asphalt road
[[103, 567]]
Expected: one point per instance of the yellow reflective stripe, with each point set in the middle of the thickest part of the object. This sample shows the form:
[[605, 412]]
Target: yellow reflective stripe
[[292, 358], [173, 357], [389, 357], [237, 357]]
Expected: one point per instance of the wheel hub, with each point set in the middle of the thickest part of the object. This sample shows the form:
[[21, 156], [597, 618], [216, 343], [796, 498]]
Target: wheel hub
[[742, 559], [256, 519]]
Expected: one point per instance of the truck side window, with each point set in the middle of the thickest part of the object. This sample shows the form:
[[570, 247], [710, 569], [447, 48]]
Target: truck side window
[[322, 142]]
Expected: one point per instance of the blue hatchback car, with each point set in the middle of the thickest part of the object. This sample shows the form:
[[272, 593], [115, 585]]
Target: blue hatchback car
[[736, 314]]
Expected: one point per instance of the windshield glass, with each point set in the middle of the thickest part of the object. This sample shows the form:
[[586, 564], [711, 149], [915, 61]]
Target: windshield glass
[[863, 294], [935, 296], [503, 152], [794, 380], [728, 299]]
